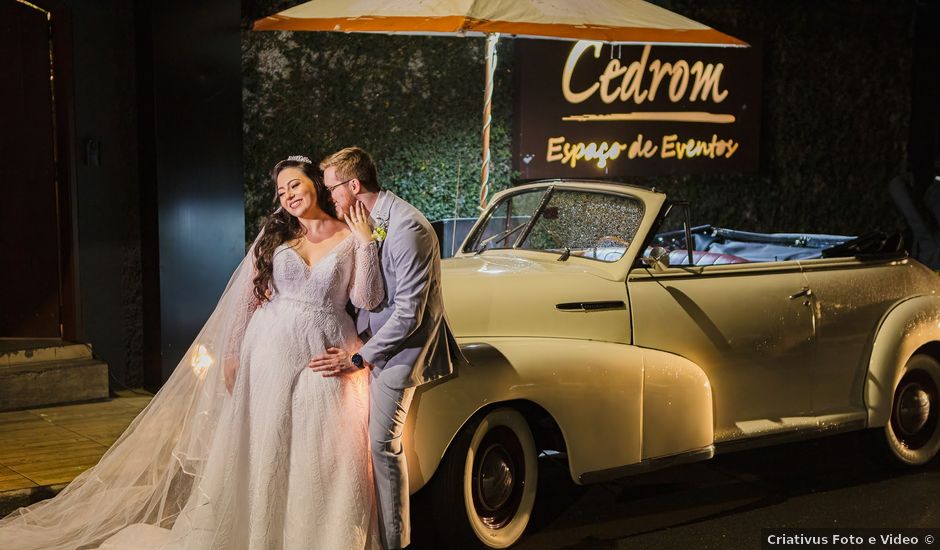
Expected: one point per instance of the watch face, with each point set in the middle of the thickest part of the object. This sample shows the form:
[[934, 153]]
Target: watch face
[[357, 360]]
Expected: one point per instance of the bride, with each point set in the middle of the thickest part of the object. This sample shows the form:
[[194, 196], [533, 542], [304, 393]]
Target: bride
[[245, 447]]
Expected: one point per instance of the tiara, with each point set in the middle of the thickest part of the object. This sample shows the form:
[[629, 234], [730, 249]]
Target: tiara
[[300, 158]]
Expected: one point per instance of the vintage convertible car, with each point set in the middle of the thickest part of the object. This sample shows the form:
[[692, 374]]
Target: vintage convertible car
[[598, 323]]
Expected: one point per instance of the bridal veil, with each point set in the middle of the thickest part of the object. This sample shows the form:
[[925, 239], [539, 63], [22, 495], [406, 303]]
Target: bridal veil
[[148, 474]]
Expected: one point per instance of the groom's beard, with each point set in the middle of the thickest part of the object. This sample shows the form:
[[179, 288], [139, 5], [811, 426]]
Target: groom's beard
[[340, 211]]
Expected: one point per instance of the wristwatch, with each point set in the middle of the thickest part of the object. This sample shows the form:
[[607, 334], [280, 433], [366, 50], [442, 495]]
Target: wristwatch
[[357, 360]]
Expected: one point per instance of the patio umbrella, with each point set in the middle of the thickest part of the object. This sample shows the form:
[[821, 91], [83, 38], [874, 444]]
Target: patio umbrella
[[615, 21]]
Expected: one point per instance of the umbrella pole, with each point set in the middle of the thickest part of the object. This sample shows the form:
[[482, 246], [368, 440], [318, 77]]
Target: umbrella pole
[[491, 40]]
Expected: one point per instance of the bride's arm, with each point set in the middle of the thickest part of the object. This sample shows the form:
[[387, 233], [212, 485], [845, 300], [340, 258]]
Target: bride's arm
[[366, 288], [243, 307]]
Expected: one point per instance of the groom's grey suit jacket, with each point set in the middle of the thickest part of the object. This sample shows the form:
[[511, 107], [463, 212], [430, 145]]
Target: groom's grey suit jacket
[[410, 343]]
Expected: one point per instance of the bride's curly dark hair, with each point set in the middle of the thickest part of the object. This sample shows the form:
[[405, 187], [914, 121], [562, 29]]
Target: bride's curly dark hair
[[281, 227]]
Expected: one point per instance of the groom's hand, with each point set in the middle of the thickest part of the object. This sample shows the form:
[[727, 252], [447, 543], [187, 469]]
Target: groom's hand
[[335, 362]]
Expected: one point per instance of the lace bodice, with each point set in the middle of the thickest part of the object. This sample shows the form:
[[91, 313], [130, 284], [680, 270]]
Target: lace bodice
[[349, 272]]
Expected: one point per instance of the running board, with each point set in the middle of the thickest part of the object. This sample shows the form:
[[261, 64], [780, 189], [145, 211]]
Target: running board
[[647, 465], [792, 436]]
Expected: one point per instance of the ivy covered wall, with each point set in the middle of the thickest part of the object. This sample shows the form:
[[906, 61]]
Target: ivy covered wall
[[835, 113], [836, 101], [415, 103]]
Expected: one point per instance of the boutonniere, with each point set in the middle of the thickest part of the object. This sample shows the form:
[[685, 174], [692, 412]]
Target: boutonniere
[[379, 233]]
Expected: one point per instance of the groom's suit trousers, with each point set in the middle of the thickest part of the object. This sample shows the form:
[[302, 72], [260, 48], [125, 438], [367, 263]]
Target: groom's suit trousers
[[388, 409]]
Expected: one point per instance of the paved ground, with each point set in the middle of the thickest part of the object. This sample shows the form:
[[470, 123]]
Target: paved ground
[[719, 504], [724, 503], [43, 449]]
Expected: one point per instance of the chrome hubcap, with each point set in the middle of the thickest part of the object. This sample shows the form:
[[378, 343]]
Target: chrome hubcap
[[913, 409], [498, 477], [914, 415]]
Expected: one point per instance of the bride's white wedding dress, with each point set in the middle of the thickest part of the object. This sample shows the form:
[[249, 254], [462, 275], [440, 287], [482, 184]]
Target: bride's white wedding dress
[[290, 467], [286, 465]]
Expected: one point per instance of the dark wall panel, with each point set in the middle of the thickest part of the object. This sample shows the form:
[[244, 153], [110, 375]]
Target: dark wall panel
[[106, 188], [196, 160], [925, 103]]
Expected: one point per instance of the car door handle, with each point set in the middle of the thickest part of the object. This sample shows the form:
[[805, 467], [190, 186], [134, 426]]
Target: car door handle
[[591, 306], [805, 292]]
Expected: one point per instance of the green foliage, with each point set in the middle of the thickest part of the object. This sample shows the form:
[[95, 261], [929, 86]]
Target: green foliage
[[415, 103], [835, 111], [835, 117]]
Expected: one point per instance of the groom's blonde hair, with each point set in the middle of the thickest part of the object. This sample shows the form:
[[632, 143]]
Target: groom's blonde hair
[[353, 162]]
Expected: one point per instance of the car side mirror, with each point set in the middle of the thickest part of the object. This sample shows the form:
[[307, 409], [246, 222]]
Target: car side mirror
[[658, 259]]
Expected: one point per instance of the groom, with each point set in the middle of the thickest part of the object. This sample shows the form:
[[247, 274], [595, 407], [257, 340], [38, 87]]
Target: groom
[[407, 341]]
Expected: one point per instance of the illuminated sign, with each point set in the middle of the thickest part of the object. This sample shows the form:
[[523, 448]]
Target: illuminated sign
[[590, 109]]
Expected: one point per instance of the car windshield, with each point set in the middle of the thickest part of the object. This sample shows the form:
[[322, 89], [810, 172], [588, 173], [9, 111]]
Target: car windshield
[[567, 222]]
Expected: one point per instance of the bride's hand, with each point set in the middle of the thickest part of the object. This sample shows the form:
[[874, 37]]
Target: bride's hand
[[358, 222], [229, 370]]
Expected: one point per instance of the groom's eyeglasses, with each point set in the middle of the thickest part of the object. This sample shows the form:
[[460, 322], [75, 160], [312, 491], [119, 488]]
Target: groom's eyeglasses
[[332, 187]]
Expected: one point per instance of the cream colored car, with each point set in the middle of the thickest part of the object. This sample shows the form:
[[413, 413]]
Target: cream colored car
[[591, 330]]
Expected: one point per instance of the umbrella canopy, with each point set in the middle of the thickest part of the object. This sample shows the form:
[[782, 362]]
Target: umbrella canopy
[[615, 21], [623, 21]]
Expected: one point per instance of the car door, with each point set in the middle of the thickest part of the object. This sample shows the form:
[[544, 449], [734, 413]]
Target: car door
[[851, 297], [749, 326]]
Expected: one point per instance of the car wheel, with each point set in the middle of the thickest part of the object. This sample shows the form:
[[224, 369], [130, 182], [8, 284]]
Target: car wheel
[[912, 435], [484, 490]]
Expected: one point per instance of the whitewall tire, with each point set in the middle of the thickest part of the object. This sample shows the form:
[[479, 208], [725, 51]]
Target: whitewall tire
[[484, 491], [912, 434]]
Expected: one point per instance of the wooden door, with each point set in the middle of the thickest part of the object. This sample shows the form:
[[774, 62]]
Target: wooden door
[[30, 275]]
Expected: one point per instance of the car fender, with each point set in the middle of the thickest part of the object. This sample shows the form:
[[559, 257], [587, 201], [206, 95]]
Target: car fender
[[678, 411], [907, 327], [593, 390]]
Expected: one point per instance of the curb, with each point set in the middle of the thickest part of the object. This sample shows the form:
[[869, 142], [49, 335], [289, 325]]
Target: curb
[[17, 498]]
